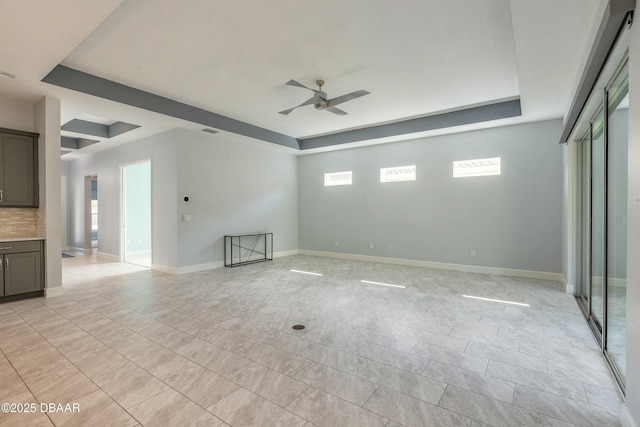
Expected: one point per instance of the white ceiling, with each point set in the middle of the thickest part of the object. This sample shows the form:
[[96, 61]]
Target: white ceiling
[[416, 57]]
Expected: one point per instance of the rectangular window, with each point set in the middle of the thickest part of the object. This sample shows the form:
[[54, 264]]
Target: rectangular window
[[399, 173], [337, 178], [476, 167]]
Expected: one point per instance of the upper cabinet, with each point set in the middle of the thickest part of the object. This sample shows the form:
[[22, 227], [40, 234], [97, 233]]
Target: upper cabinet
[[18, 168]]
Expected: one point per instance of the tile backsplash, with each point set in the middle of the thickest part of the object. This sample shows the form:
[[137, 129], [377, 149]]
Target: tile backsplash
[[22, 223]]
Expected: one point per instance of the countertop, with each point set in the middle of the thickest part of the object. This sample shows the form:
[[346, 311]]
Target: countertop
[[19, 239]]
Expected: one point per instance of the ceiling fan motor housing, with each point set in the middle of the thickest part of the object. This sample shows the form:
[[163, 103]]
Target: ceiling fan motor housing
[[321, 101]]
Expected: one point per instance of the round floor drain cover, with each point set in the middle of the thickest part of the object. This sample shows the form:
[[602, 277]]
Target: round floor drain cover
[[298, 327]]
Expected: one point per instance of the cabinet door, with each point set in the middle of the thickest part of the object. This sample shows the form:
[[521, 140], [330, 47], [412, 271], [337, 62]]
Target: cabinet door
[[17, 162], [1, 275], [22, 273]]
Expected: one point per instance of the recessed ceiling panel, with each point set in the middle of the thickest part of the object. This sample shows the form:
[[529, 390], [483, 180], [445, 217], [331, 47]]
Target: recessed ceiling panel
[[416, 57]]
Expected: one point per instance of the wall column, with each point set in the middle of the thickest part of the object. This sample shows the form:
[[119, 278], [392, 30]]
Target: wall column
[[47, 124]]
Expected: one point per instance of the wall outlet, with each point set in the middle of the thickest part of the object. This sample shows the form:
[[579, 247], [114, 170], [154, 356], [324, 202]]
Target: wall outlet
[[186, 218], [336, 243], [370, 245], [389, 247], [473, 252]]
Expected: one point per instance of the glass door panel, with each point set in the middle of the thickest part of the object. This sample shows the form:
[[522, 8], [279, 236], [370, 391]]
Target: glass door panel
[[617, 145], [597, 219], [585, 264]]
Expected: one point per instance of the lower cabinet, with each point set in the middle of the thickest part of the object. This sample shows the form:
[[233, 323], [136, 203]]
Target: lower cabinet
[[21, 268]]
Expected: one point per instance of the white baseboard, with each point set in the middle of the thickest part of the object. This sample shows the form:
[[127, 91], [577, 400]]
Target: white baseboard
[[209, 265], [74, 249], [164, 269], [200, 267], [542, 275], [569, 288], [187, 269], [286, 253], [626, 420], [108, 256], [58, 291]]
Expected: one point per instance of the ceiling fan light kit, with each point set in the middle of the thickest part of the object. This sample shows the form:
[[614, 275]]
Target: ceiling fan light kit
[[320, 101]]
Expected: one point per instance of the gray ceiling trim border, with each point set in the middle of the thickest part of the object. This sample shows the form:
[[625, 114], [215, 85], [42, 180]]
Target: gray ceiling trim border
[[86, 128], [612, 22], [76, 143], [500, 110], [97, 86], [93, 85], [98, 129]]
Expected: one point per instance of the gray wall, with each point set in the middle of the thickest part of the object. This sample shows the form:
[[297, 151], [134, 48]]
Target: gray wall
[[17, 114], [511, 221], [161, 149], [234, 188], [633, 232]]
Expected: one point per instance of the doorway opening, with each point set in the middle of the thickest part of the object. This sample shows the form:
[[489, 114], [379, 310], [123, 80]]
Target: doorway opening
[[136, 213], [91, 213]]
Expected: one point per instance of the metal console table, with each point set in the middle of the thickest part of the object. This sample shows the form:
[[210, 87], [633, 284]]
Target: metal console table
[[247, 248]]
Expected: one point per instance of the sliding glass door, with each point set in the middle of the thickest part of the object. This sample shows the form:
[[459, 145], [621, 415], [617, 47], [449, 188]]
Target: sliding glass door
[[617, 146], [597, 219], [602, 228]]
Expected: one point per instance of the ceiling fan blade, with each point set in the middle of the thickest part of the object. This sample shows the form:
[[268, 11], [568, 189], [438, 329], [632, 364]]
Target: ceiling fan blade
[[311, 100], [348, 97], [337, 111], [295, 83]]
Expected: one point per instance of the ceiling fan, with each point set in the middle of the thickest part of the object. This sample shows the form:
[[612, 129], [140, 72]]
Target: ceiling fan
[[320, 100]]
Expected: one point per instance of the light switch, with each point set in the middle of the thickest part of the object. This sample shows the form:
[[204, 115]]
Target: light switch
[[186, 218]]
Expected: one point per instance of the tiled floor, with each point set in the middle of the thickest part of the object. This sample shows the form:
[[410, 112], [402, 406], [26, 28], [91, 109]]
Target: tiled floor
[[132, 346]]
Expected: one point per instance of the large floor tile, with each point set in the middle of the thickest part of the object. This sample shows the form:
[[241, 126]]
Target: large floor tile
[[452, 343], [95, 409], [488, 410], [405, 382], [323, 409], [410, 411], [452, 357], [343, 361], [385, 340], [170, 408], [279, 360], [398, 359], [130, 385], [244, 408], [470, 380], [59, 385], [564, 409], [200, 384], [489, 339], [21, 419], [535, 379], [508, 356], [338, 383], [269, 384], [218, 360], [158, 360]]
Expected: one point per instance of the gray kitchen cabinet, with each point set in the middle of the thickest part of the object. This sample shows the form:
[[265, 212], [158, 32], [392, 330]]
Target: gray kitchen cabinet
[[18, 168], [21, 267]]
